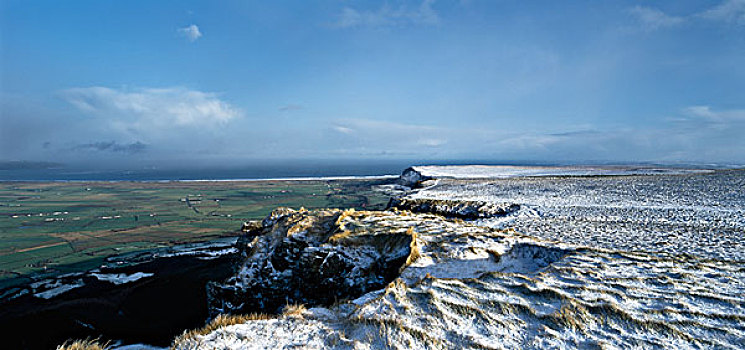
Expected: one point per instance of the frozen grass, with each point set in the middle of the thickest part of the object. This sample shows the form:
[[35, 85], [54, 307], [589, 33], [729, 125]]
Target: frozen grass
[[294, 310], [85, 344], [468, 285], [218, 322]]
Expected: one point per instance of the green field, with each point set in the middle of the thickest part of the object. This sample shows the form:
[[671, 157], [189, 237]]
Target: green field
[[68, 226]]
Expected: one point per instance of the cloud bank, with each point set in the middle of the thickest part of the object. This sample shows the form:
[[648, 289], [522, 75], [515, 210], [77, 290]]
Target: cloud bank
[[113, 146], [144, 109], [116, 124], [695, 133]]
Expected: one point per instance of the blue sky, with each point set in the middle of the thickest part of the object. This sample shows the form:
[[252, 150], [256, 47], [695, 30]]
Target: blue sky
[[146, 82]]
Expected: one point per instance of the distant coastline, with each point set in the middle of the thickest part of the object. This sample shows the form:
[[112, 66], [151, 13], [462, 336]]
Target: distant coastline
[[288, 171], [319, 178]]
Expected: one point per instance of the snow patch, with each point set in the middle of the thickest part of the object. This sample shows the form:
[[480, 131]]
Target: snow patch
[[57, 288], [121, 278]]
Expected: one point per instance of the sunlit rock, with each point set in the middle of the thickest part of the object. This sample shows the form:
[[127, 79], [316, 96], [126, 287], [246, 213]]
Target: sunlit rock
[[312, 257]]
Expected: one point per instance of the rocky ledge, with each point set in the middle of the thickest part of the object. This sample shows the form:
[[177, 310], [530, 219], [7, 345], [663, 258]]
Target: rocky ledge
[[370, 279], [420, 281], [453, 208], [319, 256]]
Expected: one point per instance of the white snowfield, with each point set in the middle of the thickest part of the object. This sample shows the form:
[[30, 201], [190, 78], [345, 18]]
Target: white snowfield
[[701, 214], [476, 287], [508, 171]]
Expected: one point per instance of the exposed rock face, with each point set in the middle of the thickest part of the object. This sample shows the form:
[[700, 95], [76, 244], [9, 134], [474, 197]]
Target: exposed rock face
[[249, 227], [435, 301], [451, 208], [314, 258], [411, 177]]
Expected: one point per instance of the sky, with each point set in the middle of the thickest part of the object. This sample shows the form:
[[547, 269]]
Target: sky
[[226, 82]]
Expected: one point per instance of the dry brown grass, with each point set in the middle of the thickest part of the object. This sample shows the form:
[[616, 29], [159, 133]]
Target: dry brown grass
[[85, 344], [294, 310], [223, 320], [414, 249], [218, 322]]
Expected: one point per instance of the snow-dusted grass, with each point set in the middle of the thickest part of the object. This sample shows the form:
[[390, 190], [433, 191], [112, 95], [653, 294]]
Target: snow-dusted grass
[[85, 344], [192, 338], [218, 322], [508, 171], [479, 288], [635, 262], [701, 215]]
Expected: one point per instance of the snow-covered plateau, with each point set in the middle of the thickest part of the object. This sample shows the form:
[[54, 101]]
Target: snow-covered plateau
[[605, 262]]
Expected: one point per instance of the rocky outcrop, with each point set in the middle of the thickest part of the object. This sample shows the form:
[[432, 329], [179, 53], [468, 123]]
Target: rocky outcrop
[[411, 177], [251, 227], [455, 209], [433, 302], [314, 258]]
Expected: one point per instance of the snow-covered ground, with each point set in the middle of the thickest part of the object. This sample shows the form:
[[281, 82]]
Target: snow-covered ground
[[602, 262], [701, 215], [509, 171]]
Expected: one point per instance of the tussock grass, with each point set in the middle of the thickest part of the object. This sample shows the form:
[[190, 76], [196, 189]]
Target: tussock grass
[[84, 344], [294, 310], [414, 249], [218, 322]]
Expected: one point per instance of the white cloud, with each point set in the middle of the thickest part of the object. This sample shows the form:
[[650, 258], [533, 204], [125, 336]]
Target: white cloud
[[431, 142], [148, 109], [698, 111], [651, 18], [343, 129], [191, 32], [732, 11], [720, 116], [386, 16], [728, 11]]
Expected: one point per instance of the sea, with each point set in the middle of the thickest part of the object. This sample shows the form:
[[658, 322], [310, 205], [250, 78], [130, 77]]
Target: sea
[[23, 171], [259, 169]]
